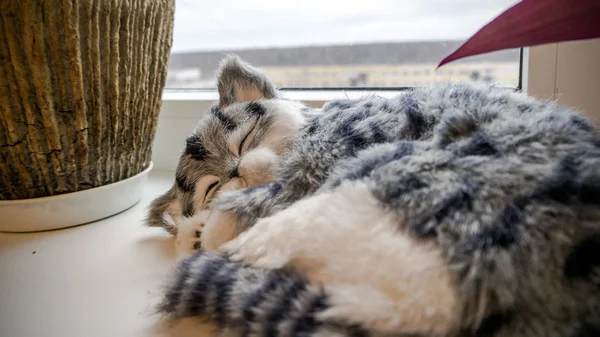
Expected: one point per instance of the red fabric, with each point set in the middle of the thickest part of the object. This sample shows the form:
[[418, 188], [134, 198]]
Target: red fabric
[[534, 22]]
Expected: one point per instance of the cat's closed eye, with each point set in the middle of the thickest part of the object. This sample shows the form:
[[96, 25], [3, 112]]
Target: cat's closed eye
[[210, 190], [243, 142]]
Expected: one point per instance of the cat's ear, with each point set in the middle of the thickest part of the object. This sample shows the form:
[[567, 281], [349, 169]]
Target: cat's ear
[[238, 81], [163, 208]]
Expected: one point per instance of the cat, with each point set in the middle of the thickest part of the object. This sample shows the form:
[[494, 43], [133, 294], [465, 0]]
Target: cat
[[449, 210]]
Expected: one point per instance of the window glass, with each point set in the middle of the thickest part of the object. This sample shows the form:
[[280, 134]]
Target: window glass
[[321, 44]]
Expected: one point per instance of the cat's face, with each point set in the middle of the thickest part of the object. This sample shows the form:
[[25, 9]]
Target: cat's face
[[235, 145]]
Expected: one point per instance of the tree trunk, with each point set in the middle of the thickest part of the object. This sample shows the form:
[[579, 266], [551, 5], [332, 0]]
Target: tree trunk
[[80, 91]]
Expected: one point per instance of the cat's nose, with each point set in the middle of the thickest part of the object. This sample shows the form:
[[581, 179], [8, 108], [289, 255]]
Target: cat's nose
[[235, 173]]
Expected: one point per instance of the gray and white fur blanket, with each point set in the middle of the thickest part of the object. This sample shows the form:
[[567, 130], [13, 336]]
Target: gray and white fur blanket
[[450, 210]]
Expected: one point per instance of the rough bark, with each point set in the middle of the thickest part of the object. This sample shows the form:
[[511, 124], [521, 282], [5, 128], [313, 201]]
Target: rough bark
[[80, 91]]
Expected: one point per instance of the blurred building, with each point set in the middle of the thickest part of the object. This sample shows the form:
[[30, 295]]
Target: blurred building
[[359, 65]]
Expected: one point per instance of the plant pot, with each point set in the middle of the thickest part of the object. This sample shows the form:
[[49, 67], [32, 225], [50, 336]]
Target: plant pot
[[80, 92]]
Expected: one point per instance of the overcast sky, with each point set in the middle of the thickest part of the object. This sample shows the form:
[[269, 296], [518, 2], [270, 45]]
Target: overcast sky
[[237, 24]]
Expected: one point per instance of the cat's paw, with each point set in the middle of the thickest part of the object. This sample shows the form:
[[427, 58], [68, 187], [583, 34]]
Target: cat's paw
[[221, 227], [265, 245], [282, 240], [189, 234]]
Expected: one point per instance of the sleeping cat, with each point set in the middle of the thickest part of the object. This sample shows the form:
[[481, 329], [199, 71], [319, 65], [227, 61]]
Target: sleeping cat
[[452, 210]]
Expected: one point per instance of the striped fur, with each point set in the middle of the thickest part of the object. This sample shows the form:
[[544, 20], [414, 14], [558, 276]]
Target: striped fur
[[255, 302]]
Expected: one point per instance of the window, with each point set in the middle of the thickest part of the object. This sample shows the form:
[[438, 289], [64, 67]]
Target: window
[[353, 43]]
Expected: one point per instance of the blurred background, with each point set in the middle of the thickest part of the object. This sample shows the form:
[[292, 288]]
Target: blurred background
[[331, 44]]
